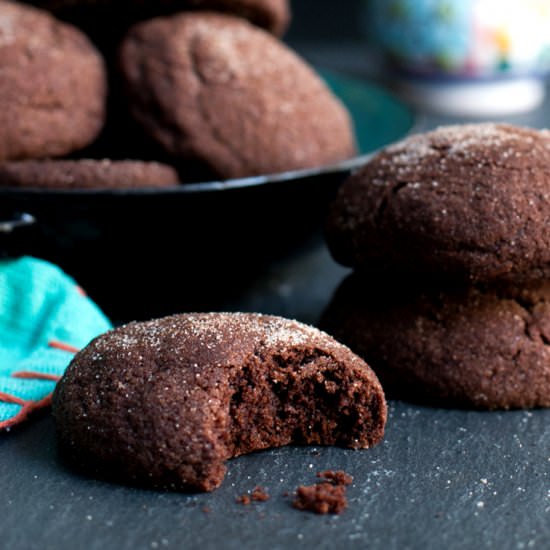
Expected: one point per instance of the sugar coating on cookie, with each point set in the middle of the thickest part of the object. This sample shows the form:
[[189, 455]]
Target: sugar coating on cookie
[[53, 85], [86, 174], [483, 347], [167, 402], [216, 91], [469, 203]]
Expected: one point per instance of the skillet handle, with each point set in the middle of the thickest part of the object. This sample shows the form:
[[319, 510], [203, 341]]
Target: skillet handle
[[22, 220]]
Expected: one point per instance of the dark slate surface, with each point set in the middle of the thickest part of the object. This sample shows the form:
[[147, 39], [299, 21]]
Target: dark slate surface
[[440, 480]]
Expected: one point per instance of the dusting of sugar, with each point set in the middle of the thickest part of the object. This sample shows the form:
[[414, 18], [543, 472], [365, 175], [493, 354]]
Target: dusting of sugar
[[459, 140], [411, 150], [207, 330], [202, 345], [7, 28], [25, 23], [283, 332]]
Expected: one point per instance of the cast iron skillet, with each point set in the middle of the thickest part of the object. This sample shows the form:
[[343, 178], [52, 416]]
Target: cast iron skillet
[[142, 253]]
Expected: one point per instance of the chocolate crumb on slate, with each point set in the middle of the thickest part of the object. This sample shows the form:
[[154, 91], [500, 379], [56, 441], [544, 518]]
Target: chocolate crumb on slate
[[257, 495], [245, 500], [336, 477], [321, 498], [328, 497]]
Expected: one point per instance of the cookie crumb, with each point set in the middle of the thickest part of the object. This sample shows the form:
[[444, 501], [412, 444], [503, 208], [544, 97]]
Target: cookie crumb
[[245, 500], [321, 498], [206, 510], [259, 494], [336, 477]]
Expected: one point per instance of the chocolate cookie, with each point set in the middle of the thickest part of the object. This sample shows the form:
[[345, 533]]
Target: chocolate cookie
[[486, 348], [273, 15], [215, 90], [167, 402], [464, 202], [86, 174], [53, 85]]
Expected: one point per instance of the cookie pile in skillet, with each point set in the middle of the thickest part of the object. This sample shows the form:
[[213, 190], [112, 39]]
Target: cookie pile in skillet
[[448, 233], [203, 89]]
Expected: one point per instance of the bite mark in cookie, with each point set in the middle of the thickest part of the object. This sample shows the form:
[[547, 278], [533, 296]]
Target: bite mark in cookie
[[167, 402]]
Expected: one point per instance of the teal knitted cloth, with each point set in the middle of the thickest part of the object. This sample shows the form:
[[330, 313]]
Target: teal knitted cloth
[[44, 318]]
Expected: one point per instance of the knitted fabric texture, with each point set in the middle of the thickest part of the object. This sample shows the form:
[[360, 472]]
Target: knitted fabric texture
[[44, 319]]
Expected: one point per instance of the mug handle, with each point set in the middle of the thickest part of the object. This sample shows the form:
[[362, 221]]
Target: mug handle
[[22, 220]]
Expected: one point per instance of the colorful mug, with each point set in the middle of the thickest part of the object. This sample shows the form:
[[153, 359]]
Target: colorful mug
[[497, 51]]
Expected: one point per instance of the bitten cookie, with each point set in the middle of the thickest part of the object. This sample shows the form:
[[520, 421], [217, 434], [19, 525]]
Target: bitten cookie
[[167, 402], [86, 174], [464, 202], [484, 348], [273, 15], [52, 85], [215, 90]]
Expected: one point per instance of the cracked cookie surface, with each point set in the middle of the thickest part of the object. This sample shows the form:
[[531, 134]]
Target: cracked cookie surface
[[53, 85], [468, 203], [167, 402], [215, 91], [480, 347]]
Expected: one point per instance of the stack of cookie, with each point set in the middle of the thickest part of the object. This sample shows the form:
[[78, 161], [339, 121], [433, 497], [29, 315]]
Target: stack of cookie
[[449, 235], [209, 94]]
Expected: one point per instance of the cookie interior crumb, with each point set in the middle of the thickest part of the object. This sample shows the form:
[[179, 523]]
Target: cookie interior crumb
[[245, 500], [327, 497], [257, 495], [336, 477], [321, 498]]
